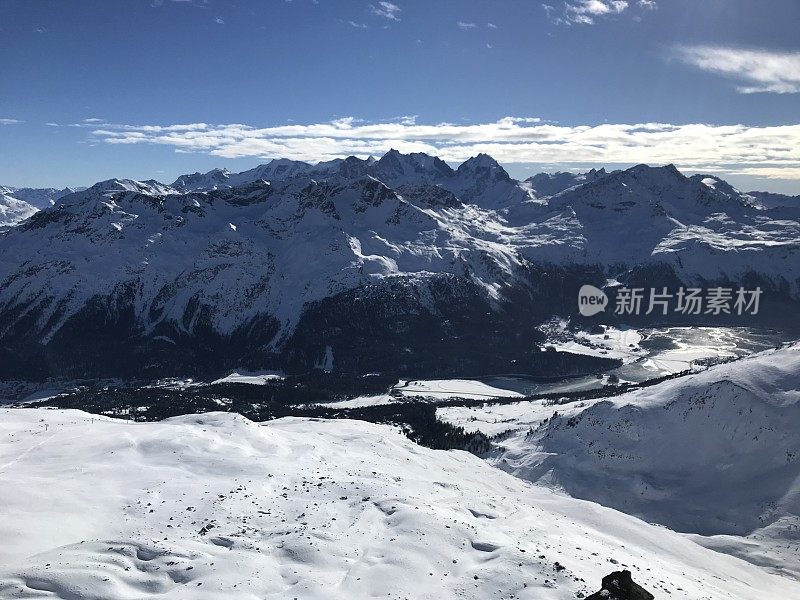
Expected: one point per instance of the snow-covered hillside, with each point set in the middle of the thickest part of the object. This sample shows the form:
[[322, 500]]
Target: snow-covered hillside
[[17, 204], [13, 210], [215, 506], [405, 234], [40, 197], [717, 454]]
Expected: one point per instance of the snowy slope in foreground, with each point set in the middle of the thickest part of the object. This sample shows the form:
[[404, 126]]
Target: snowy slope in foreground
[[717, 453], [215, 506]]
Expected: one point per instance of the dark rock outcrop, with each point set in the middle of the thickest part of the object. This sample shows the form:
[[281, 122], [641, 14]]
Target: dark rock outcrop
[[620, 586]]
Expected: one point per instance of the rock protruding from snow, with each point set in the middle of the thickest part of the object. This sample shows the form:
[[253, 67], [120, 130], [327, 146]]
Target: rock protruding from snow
[[619, 585]]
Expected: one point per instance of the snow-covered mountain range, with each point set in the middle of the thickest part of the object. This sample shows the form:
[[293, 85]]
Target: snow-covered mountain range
[[290, 264]]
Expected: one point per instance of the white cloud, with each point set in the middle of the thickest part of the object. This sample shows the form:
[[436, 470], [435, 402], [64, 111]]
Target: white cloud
[[219, 21], [387, 10], [584, 12], [757, 70], [774, 150], [10, 121], [601, 7], [648, 4], [465, 26], [357, 25], [491, 26], [94, 120], [407, 119]]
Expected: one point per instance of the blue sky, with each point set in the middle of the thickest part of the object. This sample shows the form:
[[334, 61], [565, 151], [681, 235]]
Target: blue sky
[[151, 89]]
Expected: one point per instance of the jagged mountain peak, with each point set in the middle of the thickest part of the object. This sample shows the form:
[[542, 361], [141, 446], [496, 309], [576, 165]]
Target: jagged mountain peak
[[482, 181], [649, 171], [202, 181], [350, 167], [391, 155], [416, 167], [277, 168], [150, 187], [550, 184], [483, 162], [645, 181]]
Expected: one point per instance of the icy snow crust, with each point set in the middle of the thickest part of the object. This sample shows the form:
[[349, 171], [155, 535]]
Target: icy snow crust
[[290, 233], [215, 506]]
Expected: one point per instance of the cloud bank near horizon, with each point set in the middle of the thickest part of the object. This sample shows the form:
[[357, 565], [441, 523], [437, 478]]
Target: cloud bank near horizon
[[770, 152]]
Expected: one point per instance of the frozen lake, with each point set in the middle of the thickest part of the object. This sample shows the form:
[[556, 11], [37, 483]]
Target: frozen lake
[[646, 354]]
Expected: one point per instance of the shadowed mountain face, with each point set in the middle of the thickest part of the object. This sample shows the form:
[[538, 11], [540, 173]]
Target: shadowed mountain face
[[550, 184], [362, 265]]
